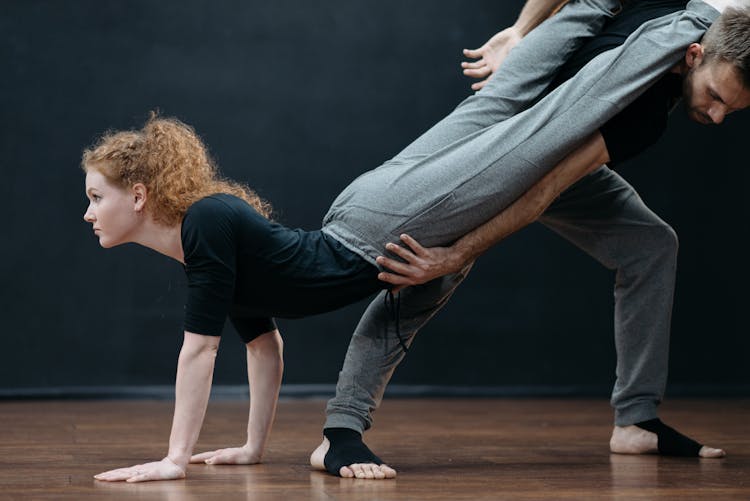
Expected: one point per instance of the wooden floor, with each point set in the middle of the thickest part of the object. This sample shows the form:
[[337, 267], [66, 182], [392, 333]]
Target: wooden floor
[[456, 449]]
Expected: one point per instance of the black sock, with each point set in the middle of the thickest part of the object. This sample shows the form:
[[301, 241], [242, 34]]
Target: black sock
[[671, 442], [346, 448]]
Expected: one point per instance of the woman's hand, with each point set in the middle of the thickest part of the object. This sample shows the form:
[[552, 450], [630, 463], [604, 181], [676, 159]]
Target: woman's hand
[[490, 55], [158, 470], [422, 263], [233, 455]]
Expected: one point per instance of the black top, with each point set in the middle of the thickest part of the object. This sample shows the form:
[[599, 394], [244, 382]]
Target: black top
[[643, 122], [241, 265]]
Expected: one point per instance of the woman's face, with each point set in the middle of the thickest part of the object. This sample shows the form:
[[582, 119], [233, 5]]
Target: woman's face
[[113, 212]]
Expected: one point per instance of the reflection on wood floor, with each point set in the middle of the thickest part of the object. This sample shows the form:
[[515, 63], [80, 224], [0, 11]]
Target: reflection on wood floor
[[453, 449]]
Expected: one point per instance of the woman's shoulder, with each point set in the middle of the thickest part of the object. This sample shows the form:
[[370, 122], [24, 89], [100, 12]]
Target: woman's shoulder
[[221, 206], [217, 202], [220, 211], [208, 223]]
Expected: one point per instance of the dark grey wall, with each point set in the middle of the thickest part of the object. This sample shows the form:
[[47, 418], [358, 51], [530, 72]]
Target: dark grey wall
[[298, 98]]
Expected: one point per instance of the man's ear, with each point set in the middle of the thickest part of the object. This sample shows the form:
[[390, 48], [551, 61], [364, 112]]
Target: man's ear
[[139, 196], [694, 55]]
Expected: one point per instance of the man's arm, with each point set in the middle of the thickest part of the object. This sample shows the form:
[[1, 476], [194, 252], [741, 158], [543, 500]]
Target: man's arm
[[490, 55], [534, 12], [424, 264]]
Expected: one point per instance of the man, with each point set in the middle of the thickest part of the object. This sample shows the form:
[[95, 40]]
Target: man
[[645, 275]]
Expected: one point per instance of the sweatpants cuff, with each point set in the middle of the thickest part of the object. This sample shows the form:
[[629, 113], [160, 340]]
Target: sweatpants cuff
[[345, 421], [635, 413]]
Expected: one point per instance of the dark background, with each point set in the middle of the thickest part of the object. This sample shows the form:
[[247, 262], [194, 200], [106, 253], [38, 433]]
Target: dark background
[[298, 98]]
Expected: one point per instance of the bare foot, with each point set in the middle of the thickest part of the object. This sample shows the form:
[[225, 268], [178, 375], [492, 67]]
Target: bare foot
[[358, 470], [634, 440]]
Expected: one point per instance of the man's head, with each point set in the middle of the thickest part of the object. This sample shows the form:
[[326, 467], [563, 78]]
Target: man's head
[[717, 78]]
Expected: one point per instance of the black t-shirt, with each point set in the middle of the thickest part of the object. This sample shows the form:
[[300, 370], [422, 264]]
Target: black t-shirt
[[643, 122], [241, 265]]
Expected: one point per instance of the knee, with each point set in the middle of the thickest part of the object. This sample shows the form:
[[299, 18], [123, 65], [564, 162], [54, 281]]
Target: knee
[[269, 344], [654, 243], [658, 244], [666, 240]]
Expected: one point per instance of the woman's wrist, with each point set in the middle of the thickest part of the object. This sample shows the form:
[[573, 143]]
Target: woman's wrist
[[253, 450], [180, 460]]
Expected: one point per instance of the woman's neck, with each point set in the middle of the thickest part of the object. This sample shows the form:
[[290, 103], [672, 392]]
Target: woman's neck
[[163, 239]]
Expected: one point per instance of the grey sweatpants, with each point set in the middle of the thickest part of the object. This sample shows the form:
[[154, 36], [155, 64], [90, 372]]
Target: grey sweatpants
[[487, 153]]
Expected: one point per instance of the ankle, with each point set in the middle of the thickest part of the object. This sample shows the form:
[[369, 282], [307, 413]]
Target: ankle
[[339, 435]]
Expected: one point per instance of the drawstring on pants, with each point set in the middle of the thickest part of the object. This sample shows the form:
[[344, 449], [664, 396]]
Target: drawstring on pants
[[392, 312]]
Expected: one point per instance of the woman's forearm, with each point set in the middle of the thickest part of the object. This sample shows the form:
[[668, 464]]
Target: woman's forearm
[[265, 367], [192, 389]]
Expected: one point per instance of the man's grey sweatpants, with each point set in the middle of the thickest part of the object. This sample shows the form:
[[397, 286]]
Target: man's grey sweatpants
[[487, 153]]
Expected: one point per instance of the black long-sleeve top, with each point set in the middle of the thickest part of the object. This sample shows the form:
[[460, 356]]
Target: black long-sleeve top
[[242, 266]]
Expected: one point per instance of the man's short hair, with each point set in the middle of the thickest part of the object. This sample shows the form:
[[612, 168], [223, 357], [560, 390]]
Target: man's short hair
[[728, 40]]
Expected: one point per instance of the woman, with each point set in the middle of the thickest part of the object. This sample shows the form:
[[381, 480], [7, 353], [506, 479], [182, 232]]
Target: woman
[[158, 187]]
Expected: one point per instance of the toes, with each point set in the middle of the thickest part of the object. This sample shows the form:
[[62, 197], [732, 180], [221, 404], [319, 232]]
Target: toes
[[710, 452], [358, 470], [368, 471], [387, 471], [346, 472]]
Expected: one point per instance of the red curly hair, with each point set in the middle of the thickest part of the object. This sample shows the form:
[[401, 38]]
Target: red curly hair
[[169, 158]]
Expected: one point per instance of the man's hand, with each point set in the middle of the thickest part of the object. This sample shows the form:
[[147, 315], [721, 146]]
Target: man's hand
[[234, 455], [490, 55], [422, 264], [158, 470]]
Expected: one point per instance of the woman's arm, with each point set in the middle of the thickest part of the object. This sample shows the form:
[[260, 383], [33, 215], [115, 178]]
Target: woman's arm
[[424, 264], [265, 367], [194, 375]]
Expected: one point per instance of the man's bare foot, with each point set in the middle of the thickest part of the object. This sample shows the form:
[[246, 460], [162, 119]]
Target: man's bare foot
[[358, 470], [634, 440]]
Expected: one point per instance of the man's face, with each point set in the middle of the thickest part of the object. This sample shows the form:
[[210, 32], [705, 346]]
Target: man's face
[[712, 90]]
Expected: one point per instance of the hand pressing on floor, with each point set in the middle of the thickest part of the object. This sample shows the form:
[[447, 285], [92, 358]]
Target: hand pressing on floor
[[233, 455], [165, 469]]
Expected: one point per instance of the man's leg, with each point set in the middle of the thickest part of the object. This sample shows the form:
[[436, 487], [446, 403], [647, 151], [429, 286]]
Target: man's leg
[[525, 74], [374, 353], [604, 216]]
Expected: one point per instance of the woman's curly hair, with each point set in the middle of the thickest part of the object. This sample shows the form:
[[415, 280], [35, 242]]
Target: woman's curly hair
[[169, 158]]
